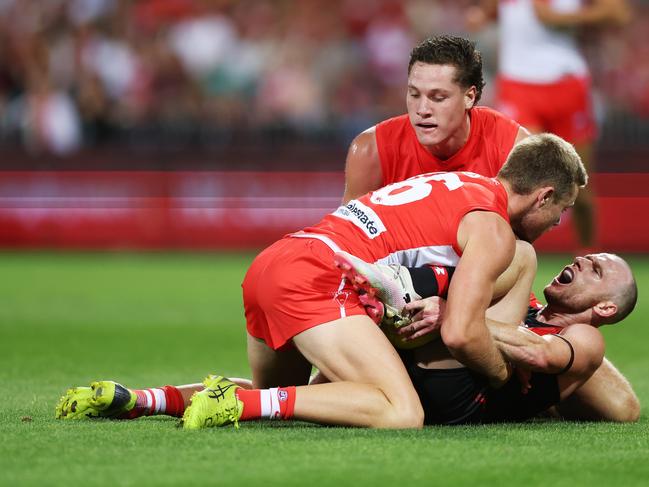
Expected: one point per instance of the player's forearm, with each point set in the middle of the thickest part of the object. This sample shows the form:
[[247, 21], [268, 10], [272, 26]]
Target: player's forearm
[[522, 347], [478, 351], [598, 14]]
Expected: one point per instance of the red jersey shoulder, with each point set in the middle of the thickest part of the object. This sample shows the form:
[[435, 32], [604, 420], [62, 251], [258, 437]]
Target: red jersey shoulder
[[545, 330], [396, 143], [393, 124], [495, 128]]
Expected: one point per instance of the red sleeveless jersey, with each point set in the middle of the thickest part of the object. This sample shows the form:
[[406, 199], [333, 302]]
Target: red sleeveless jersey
[[539, 327], [491, 139], [412, 222]]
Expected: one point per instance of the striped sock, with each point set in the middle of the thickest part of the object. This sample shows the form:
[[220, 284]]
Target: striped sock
[[275, 403], [165, 400]]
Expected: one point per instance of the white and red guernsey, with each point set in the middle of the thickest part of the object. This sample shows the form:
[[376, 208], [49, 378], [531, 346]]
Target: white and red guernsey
[[532, 52], [412, 222]]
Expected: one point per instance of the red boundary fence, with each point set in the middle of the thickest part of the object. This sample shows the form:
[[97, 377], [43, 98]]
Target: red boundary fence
[[235, 210]]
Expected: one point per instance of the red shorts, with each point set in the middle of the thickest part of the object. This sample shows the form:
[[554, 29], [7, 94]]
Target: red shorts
[[563, 108], [292, 286]]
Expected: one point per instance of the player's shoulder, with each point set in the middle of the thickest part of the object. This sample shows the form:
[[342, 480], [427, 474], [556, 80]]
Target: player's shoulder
[[496, 131], [397, 123], [487, 186], [363, 159], [366, 137], [487, 115], [583, 331], [587, 340]]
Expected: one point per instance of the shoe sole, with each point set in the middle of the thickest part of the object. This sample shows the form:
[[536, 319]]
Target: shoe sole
[[363, 284]]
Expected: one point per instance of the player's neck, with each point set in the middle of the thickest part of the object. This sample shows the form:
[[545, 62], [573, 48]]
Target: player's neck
[[451, 146], [517, 204], [562, 319]]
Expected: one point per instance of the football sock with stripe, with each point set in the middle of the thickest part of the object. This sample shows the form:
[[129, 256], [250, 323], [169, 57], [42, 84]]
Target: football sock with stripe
[[165, 400], [431, 280], [275, 403]]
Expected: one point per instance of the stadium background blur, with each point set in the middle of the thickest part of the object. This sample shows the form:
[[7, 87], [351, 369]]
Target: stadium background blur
[[197, 124], [201, 124]]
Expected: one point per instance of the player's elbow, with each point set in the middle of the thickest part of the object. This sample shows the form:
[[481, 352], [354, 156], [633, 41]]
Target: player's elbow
[[458, 339], [454, 340]]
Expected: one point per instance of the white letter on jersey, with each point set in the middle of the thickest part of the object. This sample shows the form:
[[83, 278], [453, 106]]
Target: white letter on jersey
[[413, 189]]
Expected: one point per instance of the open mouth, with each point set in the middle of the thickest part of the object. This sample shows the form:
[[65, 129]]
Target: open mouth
[[427, 126], [566, 276]]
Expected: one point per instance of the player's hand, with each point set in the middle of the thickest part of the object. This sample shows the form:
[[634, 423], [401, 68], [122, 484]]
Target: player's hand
[[427, 315]]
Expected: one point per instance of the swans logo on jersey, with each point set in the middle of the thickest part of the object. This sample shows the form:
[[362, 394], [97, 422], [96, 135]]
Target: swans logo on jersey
[[362, 216]]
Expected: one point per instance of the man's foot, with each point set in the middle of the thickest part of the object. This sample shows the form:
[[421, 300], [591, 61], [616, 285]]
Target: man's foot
[[387, 288], [103, 399], [216, 405]]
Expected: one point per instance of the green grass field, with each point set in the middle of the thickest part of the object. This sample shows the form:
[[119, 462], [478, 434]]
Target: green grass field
[[155, 319]]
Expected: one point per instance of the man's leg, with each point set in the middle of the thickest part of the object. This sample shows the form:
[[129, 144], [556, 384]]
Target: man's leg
[[606, 396], [370, 386], [271, 368], [108, 399]]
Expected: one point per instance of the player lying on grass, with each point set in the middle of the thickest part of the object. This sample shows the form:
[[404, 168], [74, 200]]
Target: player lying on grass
[[299, 312], [592, 291]]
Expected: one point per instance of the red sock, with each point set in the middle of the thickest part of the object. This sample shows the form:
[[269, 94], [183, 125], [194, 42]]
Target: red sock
[[275, 403], [165, 400], [442, 277]]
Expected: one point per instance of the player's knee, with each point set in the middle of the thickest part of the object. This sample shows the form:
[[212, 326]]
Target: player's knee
[[407, 416], [407, 413]]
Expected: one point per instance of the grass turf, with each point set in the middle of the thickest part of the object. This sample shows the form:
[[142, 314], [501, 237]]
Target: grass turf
[[153, 319]]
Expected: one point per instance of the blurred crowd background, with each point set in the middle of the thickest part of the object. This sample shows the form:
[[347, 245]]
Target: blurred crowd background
[[148, 76]]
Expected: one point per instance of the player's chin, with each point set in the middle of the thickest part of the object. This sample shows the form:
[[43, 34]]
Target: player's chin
[[429, 137], [552, 293]]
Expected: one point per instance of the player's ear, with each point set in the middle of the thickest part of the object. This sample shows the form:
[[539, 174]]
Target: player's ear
[[544, 196], [605, 309], [469, 97]]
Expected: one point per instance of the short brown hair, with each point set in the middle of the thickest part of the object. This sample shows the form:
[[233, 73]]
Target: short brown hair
[[544, 160], [454, 51]]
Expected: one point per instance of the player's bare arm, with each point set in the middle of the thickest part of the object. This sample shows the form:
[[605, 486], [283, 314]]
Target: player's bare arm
[[478, 16], [363, 166], [488, 245], [606, 396], [576, 353], [599, 12]]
